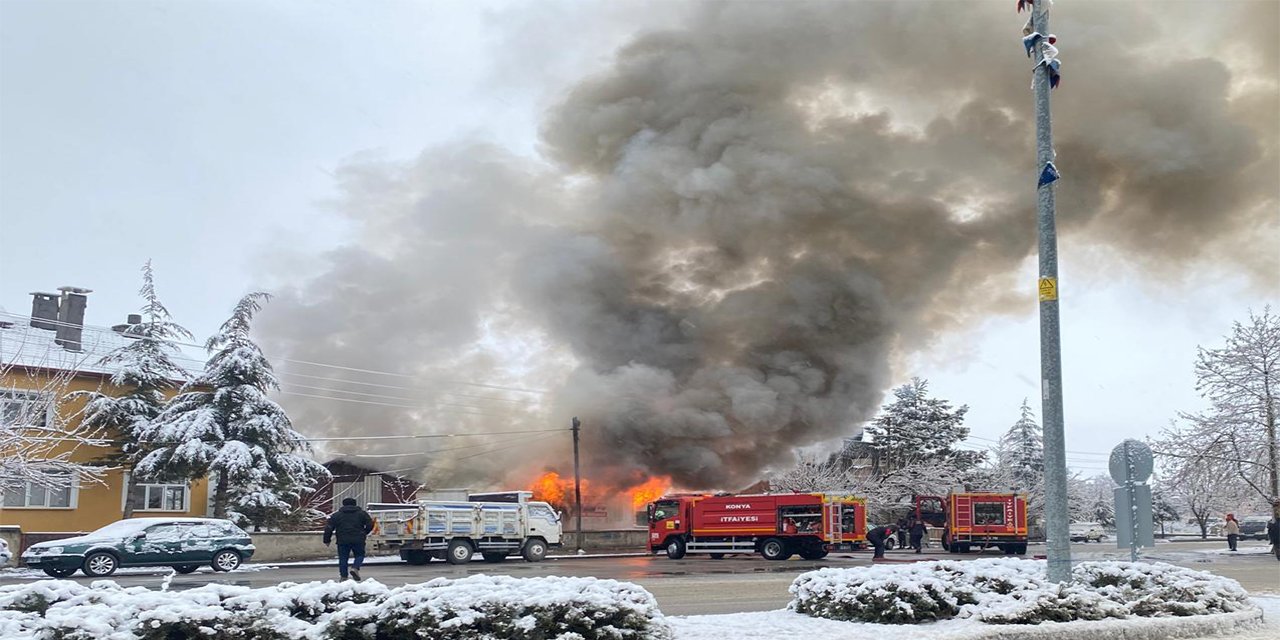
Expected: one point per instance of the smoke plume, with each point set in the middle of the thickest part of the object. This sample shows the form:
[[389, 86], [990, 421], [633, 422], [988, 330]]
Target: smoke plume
[[736, 225]]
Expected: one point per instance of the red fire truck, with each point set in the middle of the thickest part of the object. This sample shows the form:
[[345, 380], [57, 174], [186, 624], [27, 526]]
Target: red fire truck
[[976, 519], [776, 526]]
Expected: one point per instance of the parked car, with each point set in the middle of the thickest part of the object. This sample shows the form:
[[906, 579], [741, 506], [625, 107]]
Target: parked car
[[1254, 528], [182, 543], [1086, 534], [5, 554]]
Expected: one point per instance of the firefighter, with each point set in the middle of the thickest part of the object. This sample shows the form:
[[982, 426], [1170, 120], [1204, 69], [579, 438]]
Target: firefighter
[[878, 535], [918, 531], [903, 525]]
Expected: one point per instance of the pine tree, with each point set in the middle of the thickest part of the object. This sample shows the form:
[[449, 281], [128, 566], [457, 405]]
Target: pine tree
[[145, 369], [916, 429], [223, 424], [1020, 459]]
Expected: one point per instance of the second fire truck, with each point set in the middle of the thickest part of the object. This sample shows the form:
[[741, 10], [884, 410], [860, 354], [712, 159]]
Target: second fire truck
[[777, 526], [976, 519]]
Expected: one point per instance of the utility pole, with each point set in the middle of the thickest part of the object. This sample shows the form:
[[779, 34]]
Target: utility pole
[[1055, 456], [577, 480]]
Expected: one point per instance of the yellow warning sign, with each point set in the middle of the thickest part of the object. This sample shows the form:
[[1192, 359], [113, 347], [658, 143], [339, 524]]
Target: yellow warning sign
[[1048, 289]]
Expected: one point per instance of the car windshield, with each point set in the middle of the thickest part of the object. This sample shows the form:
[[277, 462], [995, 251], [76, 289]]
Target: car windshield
[[123, 528]]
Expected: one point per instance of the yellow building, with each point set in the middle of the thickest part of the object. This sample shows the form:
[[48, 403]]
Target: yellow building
[[44, 359]]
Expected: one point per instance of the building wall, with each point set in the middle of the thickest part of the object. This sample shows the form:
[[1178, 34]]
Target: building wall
[[95, 503]]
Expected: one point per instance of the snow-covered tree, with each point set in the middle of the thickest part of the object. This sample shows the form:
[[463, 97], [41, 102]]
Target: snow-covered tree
[[223, 424], [810, 474], [38, 438], [1163, 506], [1097, 501], [916, 429], [1020, 460], [1206, 485], [1237, 436], [144, 370]]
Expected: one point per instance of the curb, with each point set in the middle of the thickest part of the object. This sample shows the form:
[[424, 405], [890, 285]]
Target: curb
[[1126, 629]]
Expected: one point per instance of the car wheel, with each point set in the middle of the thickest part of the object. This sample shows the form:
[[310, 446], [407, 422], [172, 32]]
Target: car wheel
[[459, 552], [534, 551], [59, 572], [100, 564], [185, 568], [774, 549], [225, 560]]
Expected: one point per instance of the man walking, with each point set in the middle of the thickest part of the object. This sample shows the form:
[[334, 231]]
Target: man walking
[[918, 531], [349, 525], [877, 536]]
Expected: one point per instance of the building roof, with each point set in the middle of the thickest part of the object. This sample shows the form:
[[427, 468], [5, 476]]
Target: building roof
[[26, 346]]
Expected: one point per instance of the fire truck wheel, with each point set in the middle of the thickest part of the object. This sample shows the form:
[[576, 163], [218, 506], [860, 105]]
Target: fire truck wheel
[[717, 556], [459, 552], [813, 554], [1020, 548], [675, 548], [964, 547], [534, 551], [774, 549]]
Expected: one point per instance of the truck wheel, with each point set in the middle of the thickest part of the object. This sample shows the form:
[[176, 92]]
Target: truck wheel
[[459, 552], [675, 548], [534, 551], [774, 549], [717, 556], [812, 553], [964, 547], [1020, 548], [494, 556], [415, 556]]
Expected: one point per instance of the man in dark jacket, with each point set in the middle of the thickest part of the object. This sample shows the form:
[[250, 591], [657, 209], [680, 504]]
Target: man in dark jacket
[[918, 531], [877, 536], [1273, 534], [349, 525]]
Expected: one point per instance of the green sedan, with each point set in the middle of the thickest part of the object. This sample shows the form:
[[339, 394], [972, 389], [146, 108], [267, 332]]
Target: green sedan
[[182, 543]]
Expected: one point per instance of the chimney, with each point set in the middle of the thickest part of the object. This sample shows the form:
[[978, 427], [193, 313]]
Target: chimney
[[130, 327], [71, 317], [44, 310]]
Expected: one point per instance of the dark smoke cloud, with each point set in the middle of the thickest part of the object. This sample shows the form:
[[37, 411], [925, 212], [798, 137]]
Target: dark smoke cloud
[[737, 225]]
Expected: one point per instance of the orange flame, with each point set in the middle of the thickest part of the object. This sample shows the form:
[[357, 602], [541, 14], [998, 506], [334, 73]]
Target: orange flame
[[648, 491], [550, 488]]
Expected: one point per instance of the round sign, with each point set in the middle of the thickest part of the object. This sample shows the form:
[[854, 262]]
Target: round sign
[[1139, 465]]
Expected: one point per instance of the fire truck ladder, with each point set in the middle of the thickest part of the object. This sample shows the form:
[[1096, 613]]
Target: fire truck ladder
[[964, 513]]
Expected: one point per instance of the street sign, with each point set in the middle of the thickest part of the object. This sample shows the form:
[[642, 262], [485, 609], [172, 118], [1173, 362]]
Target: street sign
[[1131, 461], [1134, 526]]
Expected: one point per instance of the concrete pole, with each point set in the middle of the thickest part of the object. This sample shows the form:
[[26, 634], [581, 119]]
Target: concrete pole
[[577, 481], [1055, 455]]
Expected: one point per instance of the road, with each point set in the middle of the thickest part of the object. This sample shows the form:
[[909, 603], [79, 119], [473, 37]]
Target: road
[[700, 585]]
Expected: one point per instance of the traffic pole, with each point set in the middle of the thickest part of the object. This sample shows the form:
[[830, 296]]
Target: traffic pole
[[577, 481], [1055, 457]]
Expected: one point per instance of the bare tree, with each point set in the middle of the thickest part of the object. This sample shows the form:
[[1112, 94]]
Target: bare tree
[[41, 439], [1242, 380], [810, 474]]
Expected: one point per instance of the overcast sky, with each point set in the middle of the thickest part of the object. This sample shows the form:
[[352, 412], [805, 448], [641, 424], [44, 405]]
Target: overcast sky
[[206, 136]]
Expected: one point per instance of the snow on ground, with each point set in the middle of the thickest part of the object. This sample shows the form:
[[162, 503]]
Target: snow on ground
[[787, 625]]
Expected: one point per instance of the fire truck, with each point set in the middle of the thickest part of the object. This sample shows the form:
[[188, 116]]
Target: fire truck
[[776, 526], [976, 519]]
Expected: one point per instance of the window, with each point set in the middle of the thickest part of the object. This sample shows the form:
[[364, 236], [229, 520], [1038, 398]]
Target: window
[[160, 497], [165, 532], [988, 513], [24, 408], [36, 496]]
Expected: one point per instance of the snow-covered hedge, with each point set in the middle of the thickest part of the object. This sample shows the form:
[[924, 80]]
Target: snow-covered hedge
[[481, 607], [1011, 591]]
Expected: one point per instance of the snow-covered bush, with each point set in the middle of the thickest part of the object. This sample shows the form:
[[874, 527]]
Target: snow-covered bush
[[1011, 591], [481, 607], [1159, 589], [1053, 603]]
